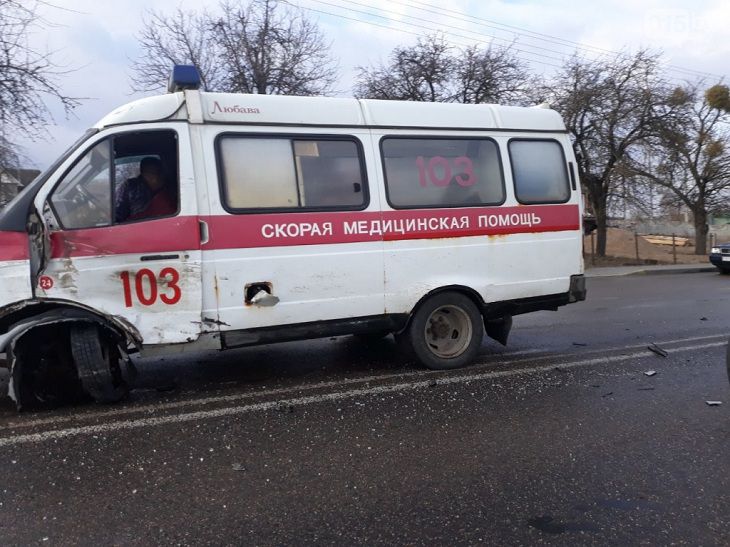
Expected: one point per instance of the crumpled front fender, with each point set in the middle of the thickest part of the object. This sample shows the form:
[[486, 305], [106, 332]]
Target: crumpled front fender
[[63, 310]]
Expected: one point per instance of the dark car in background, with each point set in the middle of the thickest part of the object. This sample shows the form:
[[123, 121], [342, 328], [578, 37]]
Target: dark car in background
[[720, 257]]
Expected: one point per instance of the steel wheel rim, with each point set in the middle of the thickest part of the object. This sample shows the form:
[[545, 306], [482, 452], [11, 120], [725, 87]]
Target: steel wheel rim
[[448, 331]]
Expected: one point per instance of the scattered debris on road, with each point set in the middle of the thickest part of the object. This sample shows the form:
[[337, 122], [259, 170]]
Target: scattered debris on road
[[607, 394], [579, 344], [650, 373], [713, 403], [646, 389], [703, 318], [656, 349], [238, 467]]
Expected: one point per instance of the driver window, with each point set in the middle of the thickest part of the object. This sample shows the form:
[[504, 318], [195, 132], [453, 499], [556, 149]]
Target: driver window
[[126, 178], [83, 198]]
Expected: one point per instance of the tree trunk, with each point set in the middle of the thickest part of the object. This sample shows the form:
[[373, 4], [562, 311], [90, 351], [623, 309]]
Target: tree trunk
[[601, 233], [597, 199], [701, 230], [598, 204]]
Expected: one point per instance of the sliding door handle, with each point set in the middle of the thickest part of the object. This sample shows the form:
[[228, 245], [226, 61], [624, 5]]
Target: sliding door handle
[[204, 233], [152, 258]]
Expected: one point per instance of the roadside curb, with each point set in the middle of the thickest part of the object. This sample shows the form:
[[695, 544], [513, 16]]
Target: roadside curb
[[596, 272], [704, 269]]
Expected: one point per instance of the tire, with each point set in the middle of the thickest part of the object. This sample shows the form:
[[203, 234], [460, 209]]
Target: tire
[[44, 375], [446, 331], [723, 270], [99, 365]]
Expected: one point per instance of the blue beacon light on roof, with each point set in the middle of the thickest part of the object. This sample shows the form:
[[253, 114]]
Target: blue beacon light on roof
[[183, 77]]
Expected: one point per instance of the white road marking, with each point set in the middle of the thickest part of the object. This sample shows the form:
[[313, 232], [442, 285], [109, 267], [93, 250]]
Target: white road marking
[[312, 399], [202, 401]]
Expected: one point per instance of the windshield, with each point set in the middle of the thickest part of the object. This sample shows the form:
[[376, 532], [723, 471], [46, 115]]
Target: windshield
[[14, 216]]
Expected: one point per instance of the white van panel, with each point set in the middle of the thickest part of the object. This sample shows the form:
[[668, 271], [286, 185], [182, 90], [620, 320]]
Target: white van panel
[[239, 108], [314, 282], [15, 285], [147, 110], [497, 267], [506, 264], [281, 109]]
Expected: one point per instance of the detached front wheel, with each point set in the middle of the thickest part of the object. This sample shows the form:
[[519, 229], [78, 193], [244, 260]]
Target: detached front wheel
[[446, 331]]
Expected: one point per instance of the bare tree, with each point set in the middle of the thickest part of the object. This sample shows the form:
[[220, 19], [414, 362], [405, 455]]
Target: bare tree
[[270, 51], [610, 107], [433, 71], [690, 155], [181, 38], [28, 78], [28, 81], [491, 75], [631, 196], [260, 47], [9, 164], [422, 72]]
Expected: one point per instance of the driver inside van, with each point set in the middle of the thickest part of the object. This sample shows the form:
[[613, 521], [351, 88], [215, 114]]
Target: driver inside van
[[146, 195]]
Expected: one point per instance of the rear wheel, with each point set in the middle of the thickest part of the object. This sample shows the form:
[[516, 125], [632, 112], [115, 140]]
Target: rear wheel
[[446, 331]]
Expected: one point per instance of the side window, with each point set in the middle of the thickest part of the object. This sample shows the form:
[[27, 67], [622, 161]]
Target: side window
[[83, 198], [539, 172], [124, 178], [291, 173], [146, 184], [427, 172]]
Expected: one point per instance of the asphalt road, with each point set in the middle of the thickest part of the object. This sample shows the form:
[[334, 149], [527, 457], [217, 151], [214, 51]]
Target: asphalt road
[[560, 438]]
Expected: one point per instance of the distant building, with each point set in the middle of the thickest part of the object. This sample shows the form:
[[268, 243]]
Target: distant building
[[13, 181], [718, 219]]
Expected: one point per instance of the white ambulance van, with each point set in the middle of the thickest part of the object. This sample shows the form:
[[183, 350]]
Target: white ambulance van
[[198, 220]]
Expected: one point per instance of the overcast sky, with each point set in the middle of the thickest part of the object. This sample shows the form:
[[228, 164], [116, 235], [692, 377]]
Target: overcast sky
[[98, 39]]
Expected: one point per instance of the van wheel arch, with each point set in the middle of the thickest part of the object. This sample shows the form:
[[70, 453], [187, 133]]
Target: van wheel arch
[[497, 327], [50, 310], [470, 293], [65, 354]]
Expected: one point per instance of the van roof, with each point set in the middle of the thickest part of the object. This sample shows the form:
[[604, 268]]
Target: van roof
[[238, 108]]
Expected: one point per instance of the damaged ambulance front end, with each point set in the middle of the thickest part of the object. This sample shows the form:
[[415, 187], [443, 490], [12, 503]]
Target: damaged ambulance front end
[[56, 351]]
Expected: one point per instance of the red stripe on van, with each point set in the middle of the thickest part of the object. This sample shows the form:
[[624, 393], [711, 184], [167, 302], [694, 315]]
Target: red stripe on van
[[287, 229], [151, 236], [14, 246], [282, 229]]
